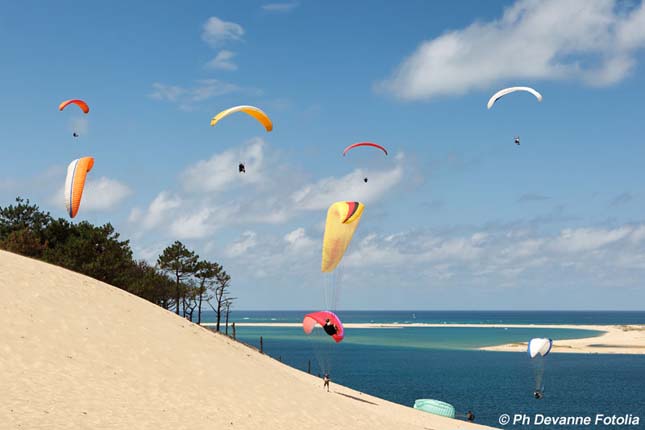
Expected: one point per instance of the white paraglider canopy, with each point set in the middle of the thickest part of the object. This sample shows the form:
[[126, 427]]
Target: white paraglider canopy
[[539, 346], [501, 93]]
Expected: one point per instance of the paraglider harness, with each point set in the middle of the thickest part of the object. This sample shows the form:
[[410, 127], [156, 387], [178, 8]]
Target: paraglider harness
[[241, 168], [329, 328]]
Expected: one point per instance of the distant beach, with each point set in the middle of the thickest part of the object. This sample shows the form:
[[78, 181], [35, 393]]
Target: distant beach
[[615, 339]]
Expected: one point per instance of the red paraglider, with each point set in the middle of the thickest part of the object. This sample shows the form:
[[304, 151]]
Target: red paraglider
[[355, 145], [323, 318]]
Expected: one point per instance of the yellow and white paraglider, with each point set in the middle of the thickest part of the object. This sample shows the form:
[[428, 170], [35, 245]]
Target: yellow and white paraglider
[[342, 220], [255, 112], [75, 182]]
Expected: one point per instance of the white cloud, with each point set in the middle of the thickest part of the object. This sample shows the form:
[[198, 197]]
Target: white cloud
[[100, 194], [104, 194], [221, 170], [349, 187], [243, 244], [188, 96], [298, 240], [217, 32], [222, 61], [592, 41], [271, 192], [497, 253], [157, 211], [193, 224], [280, 7]]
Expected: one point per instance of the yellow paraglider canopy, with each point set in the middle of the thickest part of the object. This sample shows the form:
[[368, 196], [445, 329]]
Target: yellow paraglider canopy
[[256, 113], [342, 220]]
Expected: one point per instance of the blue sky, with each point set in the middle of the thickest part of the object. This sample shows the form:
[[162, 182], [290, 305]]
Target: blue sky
[[457, 216]]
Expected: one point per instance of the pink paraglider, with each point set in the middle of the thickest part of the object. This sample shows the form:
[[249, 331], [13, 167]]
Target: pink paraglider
[[328, 321]]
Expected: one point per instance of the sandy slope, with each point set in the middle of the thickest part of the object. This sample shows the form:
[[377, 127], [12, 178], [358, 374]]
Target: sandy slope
[[79, 354]]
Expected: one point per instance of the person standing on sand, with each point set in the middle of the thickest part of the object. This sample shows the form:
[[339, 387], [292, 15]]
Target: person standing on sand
[[326, 381]]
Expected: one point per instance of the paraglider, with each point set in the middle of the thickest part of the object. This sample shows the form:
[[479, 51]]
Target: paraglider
[[538, 349], [329, 321], [330, 328], [356, 145], [369, 144], [255, 112], [80, 103], [498, 95], [75, 182], [342, 220], [436, 407]]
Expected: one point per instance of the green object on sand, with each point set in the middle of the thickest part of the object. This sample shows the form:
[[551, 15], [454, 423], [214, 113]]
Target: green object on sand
[[436, 407]]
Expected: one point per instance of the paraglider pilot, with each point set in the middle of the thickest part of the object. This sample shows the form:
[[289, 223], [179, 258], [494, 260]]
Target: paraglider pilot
[[75, 134], [538, 394], [241, 168], [365, 180], [330, 328], [326, 381], [517, 140]]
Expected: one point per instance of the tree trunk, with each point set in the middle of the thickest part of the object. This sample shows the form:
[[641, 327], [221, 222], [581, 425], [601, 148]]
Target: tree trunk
[[177, 291], [199, 307], [226, 332], [219, 313]]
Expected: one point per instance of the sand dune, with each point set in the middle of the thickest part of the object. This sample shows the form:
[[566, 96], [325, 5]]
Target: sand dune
[[76, 353]]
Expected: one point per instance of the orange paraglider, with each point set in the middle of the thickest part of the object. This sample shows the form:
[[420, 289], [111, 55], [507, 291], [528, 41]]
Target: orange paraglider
[[80, 103]]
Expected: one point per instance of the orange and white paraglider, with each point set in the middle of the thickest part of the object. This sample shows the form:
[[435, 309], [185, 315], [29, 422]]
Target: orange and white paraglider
[[75, 183]]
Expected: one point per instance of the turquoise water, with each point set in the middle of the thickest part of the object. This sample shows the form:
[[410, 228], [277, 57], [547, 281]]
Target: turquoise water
[[405, 364]]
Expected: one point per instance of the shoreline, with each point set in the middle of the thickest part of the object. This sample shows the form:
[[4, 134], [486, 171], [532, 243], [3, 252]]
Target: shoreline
[[613, 339]]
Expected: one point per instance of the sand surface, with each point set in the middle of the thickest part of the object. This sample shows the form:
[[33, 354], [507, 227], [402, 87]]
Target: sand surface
[[76, 353], [615, 339]]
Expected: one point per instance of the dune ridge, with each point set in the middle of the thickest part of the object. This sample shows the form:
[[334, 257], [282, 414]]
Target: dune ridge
[[76, 353]]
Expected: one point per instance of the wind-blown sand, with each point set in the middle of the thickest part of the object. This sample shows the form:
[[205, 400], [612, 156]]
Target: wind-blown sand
[[615, 339], [76, 353]]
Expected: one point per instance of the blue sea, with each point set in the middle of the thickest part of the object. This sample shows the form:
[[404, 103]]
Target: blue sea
[[404, 364]]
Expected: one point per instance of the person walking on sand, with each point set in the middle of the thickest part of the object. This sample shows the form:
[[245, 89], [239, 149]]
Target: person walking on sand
[[326, 381]]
